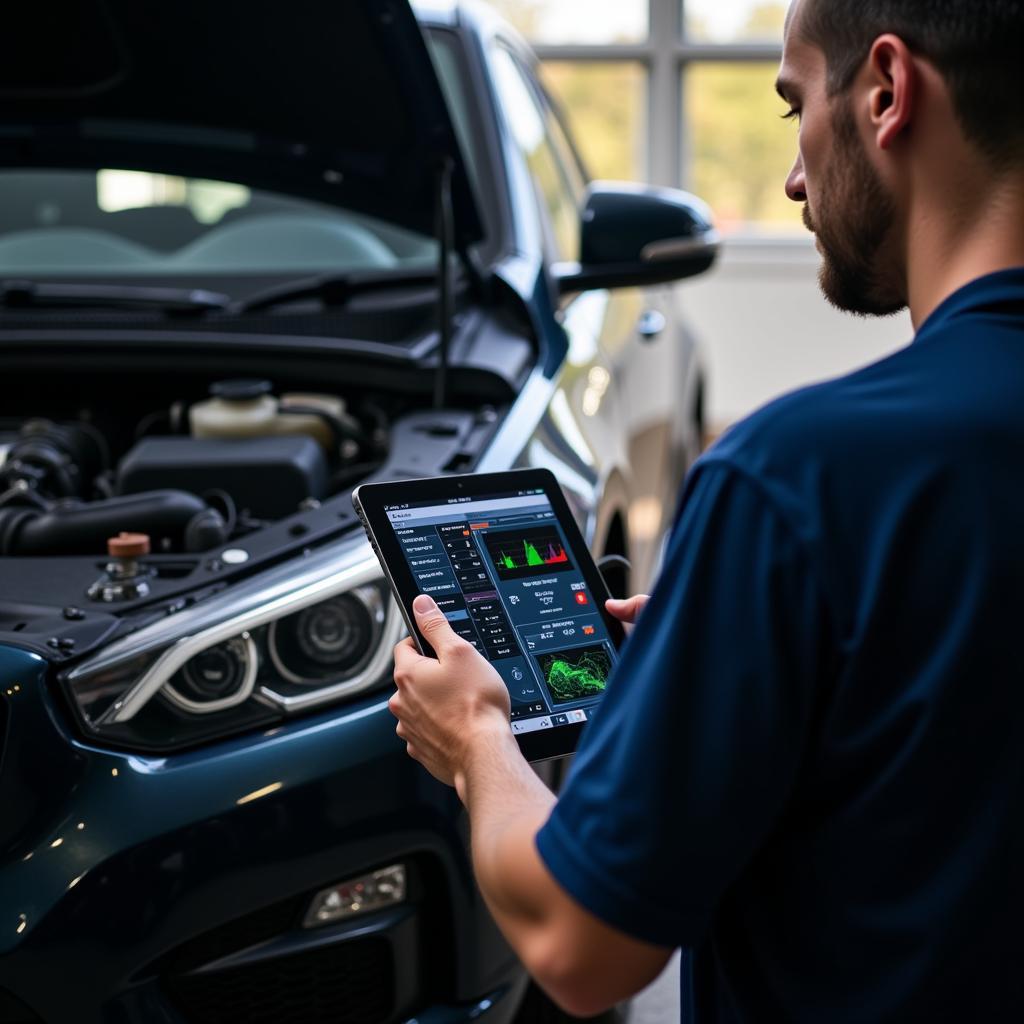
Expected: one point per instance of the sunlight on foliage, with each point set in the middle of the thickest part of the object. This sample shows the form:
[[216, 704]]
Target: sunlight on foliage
[[740, 149], [737, 150], [604, 105]]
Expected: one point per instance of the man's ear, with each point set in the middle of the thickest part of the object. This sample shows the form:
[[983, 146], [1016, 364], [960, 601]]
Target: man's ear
[[893, 88]]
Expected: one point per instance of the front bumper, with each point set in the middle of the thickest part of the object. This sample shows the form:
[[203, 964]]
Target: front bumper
[[173, 889]]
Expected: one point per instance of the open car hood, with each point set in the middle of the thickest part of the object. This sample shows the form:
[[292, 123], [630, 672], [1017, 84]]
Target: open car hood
[[333, 100]]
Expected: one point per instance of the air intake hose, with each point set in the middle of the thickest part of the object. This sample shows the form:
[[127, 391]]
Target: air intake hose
[[174, 519]]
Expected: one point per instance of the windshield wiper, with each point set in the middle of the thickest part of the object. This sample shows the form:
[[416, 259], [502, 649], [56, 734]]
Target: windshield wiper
[[336, 289], [40, 295]]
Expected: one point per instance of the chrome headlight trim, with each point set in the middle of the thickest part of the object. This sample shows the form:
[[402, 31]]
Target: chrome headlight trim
[[281, 591], [393, 631], [371, 600], [240, 696]]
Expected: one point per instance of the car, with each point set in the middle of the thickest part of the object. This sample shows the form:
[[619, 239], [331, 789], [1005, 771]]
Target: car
[[249, 258]]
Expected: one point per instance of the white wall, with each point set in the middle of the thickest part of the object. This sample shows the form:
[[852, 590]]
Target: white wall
[[765, 328]]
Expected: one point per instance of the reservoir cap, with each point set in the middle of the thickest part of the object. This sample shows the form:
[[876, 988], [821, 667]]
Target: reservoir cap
[[241, 390], [128, 545]]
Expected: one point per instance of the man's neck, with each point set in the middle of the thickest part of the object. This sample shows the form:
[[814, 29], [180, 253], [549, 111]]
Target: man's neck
[[956, 240]]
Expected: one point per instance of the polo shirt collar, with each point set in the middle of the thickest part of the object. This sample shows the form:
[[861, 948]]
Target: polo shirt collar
[[1000, 288]]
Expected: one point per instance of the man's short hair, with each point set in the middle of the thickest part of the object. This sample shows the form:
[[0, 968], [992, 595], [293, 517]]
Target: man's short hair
[[977, 46]]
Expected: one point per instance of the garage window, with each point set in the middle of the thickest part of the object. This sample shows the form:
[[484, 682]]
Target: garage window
[[674, 92]]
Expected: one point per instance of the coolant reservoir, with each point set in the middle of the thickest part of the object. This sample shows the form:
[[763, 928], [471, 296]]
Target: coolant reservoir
[[246, 408], [293, 417], [236, 408]]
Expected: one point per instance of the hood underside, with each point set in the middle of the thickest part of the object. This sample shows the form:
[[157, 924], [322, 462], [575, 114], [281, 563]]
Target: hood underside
[[336, 101]]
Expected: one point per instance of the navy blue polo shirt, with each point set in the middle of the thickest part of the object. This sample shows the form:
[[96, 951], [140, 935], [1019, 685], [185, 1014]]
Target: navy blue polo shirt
[[808, 769]]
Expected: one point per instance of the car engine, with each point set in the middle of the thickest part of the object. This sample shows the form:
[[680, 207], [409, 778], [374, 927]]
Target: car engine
[[193, 475]]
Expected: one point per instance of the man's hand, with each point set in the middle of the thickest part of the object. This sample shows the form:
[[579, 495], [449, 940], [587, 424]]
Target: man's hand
[[628, 610], [446, 707]]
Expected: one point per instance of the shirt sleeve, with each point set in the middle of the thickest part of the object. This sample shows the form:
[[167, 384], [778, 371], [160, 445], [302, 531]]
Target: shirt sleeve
[[696, 746]]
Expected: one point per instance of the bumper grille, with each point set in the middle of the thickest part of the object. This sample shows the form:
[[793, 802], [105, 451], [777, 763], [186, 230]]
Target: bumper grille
[[352, 983]]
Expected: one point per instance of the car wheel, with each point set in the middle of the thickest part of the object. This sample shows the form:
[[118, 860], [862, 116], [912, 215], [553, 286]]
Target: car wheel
[[537, 1008]]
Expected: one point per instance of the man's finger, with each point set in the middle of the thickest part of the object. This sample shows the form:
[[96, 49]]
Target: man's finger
[[406, 658], [627, 610], [432, 624]]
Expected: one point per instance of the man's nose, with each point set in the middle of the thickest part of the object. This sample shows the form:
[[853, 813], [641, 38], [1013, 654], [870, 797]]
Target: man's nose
[[796, 184]]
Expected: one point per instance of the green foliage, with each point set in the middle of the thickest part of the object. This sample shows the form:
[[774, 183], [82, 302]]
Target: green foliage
[[604, 103], [738, 151]]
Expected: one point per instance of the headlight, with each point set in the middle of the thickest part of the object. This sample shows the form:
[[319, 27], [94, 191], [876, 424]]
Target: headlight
[[221, 677], [305, 634], [329, 639]]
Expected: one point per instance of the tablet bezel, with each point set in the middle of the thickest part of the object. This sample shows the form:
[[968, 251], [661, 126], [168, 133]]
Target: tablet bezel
[[369, 501]]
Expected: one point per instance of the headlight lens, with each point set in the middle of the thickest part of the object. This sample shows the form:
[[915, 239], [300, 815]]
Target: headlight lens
[[291, 640], [220, 677], [329, 640]]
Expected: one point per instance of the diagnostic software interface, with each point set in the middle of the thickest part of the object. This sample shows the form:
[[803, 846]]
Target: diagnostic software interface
[[500, 570]]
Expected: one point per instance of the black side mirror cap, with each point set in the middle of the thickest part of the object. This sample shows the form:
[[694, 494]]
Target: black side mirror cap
[[638, 235]]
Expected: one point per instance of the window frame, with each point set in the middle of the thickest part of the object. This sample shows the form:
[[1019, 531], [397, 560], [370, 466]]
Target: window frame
[[665, 56]]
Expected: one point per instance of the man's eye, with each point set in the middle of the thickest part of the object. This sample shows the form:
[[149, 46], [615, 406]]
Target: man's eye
[[791, 115]]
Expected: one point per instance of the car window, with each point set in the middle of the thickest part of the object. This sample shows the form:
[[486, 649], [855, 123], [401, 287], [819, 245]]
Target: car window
[[130, 223], [531, 126], [568, 159]]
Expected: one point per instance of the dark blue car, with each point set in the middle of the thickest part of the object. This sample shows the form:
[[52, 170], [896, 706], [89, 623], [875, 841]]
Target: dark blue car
[[250, 256]]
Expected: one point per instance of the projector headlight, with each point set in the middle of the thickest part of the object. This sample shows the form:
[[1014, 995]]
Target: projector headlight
[[328, 639], [219, 678], [298, 637]]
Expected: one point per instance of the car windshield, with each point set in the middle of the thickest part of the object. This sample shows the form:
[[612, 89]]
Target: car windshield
[[129, 224]]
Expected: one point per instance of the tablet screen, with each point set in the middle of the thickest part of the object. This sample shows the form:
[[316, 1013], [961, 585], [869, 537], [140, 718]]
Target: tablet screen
[[502, 571]]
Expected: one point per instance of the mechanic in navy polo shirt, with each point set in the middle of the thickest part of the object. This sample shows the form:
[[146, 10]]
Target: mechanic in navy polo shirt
[[808, 770]]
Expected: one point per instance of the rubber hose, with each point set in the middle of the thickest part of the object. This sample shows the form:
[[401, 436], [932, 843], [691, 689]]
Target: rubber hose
[[77, 528]]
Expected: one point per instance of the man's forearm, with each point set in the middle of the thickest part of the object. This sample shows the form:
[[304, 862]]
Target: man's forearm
[[460, 733], [507, 805], [585, 965]]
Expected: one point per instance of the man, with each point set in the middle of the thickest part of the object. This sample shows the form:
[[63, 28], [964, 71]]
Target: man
[[809, 766]]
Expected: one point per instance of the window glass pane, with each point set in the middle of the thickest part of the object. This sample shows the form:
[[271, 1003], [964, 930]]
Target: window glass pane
[[124, 224], [734, 21], [208, 201], [604, 104], [577, 21], [740, 151]]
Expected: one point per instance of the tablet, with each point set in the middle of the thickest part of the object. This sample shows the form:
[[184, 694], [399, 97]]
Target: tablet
[[503, 558]]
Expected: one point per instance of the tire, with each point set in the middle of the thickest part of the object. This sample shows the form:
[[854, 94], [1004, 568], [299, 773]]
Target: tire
[[537, 1008]]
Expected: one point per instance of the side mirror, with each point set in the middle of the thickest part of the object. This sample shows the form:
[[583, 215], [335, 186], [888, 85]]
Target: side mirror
[[637, 235]]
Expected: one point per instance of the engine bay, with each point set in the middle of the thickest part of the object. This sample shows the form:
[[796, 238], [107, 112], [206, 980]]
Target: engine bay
[[191, 475], [123, 505]]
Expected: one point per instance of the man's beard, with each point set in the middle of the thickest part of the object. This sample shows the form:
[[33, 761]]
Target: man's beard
[[854, 219]]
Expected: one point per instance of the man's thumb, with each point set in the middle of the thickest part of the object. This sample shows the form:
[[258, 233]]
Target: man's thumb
[[432, 623], [627, 610]]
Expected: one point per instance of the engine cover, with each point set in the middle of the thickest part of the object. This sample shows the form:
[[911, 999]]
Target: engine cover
[[268, 476]]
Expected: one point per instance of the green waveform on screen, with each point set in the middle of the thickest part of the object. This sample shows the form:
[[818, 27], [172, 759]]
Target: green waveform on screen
[[573, 678], [534, 557]]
